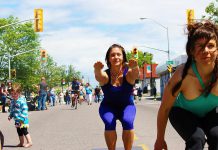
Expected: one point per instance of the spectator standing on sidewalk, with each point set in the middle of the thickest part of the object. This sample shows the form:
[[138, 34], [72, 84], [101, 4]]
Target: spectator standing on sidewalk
[[42, 88], [19, 112], [97, 94], [155, 92], [190, 99], [139, 93], [52, 97], [88, 90], [67, 98], [4, 93], [117, 84]]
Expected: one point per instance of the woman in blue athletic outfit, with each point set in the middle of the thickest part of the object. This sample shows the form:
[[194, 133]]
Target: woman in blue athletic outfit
[[117, 84], [190, 99]]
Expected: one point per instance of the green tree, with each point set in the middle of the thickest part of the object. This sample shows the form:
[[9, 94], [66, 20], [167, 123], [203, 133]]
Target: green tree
[[143, 57], [212, 11], [72, 73], [16, 39]]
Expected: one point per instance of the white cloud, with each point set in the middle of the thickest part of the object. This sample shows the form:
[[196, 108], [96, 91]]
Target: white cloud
[[79, 32]]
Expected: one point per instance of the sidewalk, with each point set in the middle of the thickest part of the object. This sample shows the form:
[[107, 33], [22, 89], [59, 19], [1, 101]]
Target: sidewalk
[[148, 97]]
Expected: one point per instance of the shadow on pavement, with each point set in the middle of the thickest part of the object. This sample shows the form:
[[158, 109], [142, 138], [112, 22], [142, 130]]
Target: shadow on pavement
[[69, 109], [13, 146], [152, 98], [120, 148]]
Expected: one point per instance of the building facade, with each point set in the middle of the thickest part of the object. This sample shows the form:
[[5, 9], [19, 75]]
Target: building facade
[[165, 75]]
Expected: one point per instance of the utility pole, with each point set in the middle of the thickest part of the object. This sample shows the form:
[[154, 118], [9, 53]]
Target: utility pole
[[151, 79]]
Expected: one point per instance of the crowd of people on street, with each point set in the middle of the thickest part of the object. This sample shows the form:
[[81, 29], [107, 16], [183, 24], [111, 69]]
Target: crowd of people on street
[[13, 98], [190, 99]]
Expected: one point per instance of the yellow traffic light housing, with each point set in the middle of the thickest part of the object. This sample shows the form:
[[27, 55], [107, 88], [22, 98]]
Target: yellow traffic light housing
[[170, 68], [13, 73], [135, 53], [43, 55], [190, 16], [38, 15]]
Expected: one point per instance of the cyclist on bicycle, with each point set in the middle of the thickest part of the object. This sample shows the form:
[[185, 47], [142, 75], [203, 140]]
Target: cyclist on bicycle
[[75, 92]]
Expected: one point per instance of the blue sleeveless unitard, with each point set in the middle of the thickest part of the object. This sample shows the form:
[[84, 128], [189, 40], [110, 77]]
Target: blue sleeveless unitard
[[117, 104]]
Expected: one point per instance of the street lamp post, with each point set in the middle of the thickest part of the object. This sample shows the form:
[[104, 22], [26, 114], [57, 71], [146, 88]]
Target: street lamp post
[[168, 50], [151, 68], [168, 43]]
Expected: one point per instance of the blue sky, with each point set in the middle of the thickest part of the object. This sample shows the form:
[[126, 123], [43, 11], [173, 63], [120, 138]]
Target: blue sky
[[79, 32]]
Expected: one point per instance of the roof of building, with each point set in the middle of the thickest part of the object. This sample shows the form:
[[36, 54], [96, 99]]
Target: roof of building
[[176, 62]]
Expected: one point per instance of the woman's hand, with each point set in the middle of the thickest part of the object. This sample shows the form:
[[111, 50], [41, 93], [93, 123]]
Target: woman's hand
[[100, 75], [98, 66], [160, 145], [133, 71], [133, 64]]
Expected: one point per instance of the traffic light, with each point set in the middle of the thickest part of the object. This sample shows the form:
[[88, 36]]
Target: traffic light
[[170, 68], [38, 16], [135, 53], [43, 56], [190, 16], [63, 82], [13, 73]]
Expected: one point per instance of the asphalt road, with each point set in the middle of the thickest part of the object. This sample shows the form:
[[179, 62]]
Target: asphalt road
[[62, 127]]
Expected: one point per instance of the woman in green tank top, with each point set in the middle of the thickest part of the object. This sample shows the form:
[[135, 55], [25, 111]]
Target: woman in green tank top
[[190, 98]]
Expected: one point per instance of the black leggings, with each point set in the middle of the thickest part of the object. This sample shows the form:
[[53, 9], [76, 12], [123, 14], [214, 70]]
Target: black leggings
[[22, 131], [193, 129]]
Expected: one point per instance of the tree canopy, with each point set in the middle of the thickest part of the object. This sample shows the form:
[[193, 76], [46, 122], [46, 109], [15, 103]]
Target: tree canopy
[[212, 11], [143, 57], [20, 46]]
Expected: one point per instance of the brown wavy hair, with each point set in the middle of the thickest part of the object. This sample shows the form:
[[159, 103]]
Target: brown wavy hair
[[16, 87], [198, 30]]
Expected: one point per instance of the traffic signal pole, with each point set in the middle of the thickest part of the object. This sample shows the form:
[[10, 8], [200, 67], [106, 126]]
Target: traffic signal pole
[[9, 67], [38, 18], [151, 79], [15, 23], [9, 61], [167, 32]]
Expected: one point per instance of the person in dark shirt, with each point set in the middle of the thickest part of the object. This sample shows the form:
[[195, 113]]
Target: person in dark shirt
[[4, 93], [42, 88], [75, 90], [139, 93], [97, 94], [75, 85]]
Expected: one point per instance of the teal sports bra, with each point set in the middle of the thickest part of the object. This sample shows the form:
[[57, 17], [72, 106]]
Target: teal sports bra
[[200, 105]]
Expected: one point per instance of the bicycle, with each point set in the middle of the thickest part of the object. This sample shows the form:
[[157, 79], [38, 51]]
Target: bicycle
[[75, 99]]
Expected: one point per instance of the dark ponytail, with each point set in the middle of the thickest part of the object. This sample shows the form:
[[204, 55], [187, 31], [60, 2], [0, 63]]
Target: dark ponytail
[[184, 73], [208, 89]]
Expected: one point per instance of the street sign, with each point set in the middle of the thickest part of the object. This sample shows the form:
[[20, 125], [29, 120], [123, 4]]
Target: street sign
[[170, 62]]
